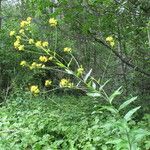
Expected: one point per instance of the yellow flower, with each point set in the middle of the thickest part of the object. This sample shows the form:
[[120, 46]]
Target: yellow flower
[[53, 22], [112, 43], [12, 33], [38, 44], [34, 89], [21, 31], [17, 44], [29, 19], [43, 58], [50, 58], [45, 44], [48, 83], [33, 65], [80, 70], [23, 24], [23, 63], [70, 85], [36, 65], [21, 48], [67, 49], [64, 82], [31, 41], [18, 37], [109, 39]]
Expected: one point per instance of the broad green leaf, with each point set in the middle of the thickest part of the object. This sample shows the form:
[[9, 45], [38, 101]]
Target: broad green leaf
[[87, 75], [128, 116], [116, 93], [126, 103]]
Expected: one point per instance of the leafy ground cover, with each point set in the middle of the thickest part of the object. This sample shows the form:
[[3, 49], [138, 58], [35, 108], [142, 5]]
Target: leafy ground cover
[[66, 123]]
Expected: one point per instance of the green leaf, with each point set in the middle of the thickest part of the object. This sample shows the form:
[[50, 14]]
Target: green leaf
[[87, 75], [102, 86], [69, 71], [116, 93], [93, 85], [128, 116], [60, 64], [116, 141], [94, 94], [112, 110], [126, 103]]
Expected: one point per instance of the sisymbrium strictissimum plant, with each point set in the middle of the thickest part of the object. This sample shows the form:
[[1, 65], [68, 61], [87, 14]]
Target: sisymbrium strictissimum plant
[[82, 80]]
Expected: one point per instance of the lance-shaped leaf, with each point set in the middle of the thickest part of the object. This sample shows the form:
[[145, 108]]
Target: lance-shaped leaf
[[126, 103], [102, 86], [109, 108], [116, 93], [60, 64], [94, 94], [70, 62], [87, 75], [69, 71], [93, 85], [128, 116]]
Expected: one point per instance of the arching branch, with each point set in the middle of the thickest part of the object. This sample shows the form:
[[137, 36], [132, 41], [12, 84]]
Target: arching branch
[[124, 60]]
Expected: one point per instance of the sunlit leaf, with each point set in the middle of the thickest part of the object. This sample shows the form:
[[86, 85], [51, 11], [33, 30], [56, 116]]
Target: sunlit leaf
[[128, 116], [116, 93], [126, 103], [94, 94], [69, 71], [87, 75]]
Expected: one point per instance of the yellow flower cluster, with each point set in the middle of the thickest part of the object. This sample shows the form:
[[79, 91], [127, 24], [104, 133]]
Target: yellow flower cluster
[[21, 31], [80, 71], [18, 37], [43, 58], [65, 83], [18, 45], [31, 41], [35, 65], [50, 58], [25, 23], [110, 40], [48, 83], [12, 33], [45, 44], [34, 89], [67, 49], [40, 44], [21, 48], [23, 63], [53, 22]]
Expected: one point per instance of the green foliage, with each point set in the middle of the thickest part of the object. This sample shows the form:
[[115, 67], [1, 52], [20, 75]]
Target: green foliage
[[66, 123]]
